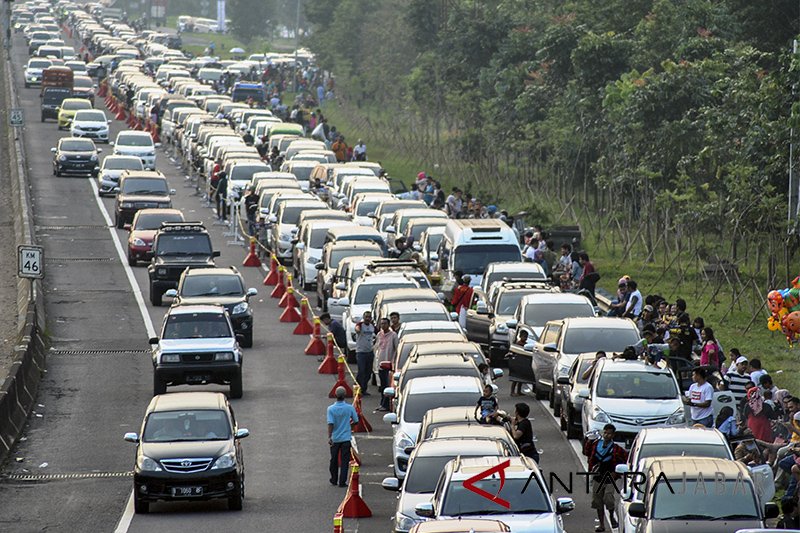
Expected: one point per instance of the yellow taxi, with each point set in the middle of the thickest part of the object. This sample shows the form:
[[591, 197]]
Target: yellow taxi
[[68, 109]]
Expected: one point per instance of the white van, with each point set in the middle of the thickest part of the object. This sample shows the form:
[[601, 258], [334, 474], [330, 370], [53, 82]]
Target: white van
[[469, 245]]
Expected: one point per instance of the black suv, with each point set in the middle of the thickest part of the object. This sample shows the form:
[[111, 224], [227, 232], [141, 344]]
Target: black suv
[[75, 156], [188, 449], [51, 101], [176, 247], [140, 189], [220, 286]]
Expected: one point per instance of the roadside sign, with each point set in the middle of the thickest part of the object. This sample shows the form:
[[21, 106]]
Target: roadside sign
[[31, 261], [16, 117]]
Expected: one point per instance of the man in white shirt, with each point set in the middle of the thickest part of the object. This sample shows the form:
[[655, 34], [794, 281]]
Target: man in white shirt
[[360, 151], [634, 307], [737, 378], [454, 203], [699, 397], [756, 371]]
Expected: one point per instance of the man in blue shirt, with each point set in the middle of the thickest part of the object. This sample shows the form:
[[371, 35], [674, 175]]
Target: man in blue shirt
[[335, 327], [340, 417]]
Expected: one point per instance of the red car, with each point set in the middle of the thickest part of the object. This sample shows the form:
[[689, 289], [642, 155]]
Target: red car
[[142, 230]]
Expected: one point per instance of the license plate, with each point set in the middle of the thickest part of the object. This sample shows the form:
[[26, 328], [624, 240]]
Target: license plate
[[187, 491], [197, 378]]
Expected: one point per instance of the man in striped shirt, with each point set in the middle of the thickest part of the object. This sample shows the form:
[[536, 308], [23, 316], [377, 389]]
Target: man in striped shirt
[[737, 378]]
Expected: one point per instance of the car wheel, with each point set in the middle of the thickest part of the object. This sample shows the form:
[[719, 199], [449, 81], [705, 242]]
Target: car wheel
[[119, 222], [235, 502], [27, 85], [131, 260], [247, 341], [236, 386], [563, 419], [43, 119], [159, 385], [538, 392], [572, 431], [551, 399], [155, 296], [140, 506]]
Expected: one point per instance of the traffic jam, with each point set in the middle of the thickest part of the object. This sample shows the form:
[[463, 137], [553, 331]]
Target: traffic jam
[[449, 342]]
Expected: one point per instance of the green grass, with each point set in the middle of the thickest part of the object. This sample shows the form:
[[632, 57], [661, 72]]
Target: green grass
[[781, 361]]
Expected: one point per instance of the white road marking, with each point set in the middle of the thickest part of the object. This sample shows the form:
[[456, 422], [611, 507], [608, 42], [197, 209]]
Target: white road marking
[[127, 514]]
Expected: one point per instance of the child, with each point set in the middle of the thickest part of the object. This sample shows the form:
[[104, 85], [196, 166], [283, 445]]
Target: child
[[522, 340], [486, 377], [487, 405]]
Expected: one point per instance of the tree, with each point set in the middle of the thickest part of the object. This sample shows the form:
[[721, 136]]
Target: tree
[[250, 18]]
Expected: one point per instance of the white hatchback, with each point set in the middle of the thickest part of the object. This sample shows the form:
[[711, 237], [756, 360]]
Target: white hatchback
[[138, 144], [90, 123]]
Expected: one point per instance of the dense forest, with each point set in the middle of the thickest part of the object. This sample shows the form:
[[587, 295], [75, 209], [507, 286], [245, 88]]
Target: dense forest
[[669, 120]]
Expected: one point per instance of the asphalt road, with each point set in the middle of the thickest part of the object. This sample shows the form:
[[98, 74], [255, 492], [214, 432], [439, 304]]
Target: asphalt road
[[70, 473]]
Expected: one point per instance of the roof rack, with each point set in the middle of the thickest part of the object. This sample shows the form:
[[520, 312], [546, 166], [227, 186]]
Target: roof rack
[[182, 226]]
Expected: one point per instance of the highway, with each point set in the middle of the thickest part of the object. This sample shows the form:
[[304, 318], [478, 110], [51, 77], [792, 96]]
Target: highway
[[71, 471]]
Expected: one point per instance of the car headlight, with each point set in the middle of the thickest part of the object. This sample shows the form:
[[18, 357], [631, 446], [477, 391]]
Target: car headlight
[[404, 442], [240, 308], [223, 356], [62, 158], [164, 204], [139, 242], [285, 237], [678, 417], [563, 370], [403, 522], [150, 154], [94, 157], [126, 205], [312, 260], [146, 464], [170, 358], [162, 271], [598, 415], [502, 329], [224, 461]]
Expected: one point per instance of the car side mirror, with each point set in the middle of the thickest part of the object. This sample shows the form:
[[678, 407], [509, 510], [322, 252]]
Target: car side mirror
[[153, 340], [111, 143], [340, 286], [300, 246], [252, 291], [511, 324], [131, 437], [440, 295], [371, 214], [481, 308], [99, 150], [390, 418], [622, 468], [584, 393], [172, 192], [396, 376], [550, 347], [528, 347], [454, 316], [344, 302], [109, 121], [637, 510], [391, 229], [564, 505], [497, 373], [273, 219], [215, 253], [391, 483], [563, 380], [319, 266], [53, 149], [241, 433], [416, 247], [389, 392], [171, 293], [424, 510], [158, 145], [126, 227], [771, 510]]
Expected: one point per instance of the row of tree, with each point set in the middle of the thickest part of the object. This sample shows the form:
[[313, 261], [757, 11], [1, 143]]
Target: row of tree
[[668, 117]]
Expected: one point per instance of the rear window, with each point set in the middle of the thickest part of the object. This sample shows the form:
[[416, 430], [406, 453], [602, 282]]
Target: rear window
[[77, 145], [71, 106], [144, 186], [153, 222], [580, 340], [39, 64], [123, 164], [338, 255], [196, 326]]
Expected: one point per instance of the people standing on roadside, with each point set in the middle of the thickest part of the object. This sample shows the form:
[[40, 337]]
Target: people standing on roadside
[[604, 456], [336, 328], [634, 306], [341, 416], [394, 321], [462, 299], [221, 195], [699, 397], [365, 337], [339, 147], [711, 355], [360, 151], [738, 377], [454, 203], [385, 352], [755, 370], [522, 431]]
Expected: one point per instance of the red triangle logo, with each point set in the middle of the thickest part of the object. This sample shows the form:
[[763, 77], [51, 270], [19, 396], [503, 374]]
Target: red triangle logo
[[469, 484]]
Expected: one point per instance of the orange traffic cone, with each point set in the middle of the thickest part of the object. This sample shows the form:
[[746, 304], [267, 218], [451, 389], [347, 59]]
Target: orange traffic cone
[[280, 287], [353, 506], [272, 275], [304, 327], [290, 314], [363, 425], [329, 364], [284, 301], [252, 259], [315, 346], [340, 381]]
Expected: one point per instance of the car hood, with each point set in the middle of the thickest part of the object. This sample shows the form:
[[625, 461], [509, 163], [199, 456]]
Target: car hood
[[144, 198], [76, 154], [526, 523], [408, 501], [113, 173], [183, 260], [227, 301], [706, 526], [180, 450], [638, 407], [147, 235], [198, 345]]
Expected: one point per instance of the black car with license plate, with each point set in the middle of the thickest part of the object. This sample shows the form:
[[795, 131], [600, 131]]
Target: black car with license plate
[[140, 189], [188, 449], [176, 247], [75, 156], [51, 101]]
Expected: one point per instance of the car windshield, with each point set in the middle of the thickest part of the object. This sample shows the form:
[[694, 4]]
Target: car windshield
[[291, 214], [176, 426], [83, 83], [75, 105], [245, 172], [39, 64], [365, 293], [419, 404], [90, 116], [416, 231], [152, 222], [171, 244], [425, 317], [365, 207], [144, 186], [122, 163], [423, 472], [521, 274], [212, 285], [721, 499], [77, 146], [318, 237], [579, 340], [196, 326], [636, 385], [134, 140], [539, 314], [433, 242], [338, 255], [301, 173], [461, 501], [509, 300], [694, 449], [473, 258]]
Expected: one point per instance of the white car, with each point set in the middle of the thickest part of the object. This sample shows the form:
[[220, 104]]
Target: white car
[[112, 168], [90, 123], [33, 72], [308, 250], [366, 203], [360, 297], [632, 395], [284, 225], [138, 144], [418, 396]]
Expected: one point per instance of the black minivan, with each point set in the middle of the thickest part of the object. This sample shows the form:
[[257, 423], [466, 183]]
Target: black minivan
[[51, 101]]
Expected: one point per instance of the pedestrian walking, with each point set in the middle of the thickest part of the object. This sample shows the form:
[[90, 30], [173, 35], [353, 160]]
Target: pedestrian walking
[[462, 299], [365, 337], [341, 416], [522, 431], [385, 352], [604, 456]]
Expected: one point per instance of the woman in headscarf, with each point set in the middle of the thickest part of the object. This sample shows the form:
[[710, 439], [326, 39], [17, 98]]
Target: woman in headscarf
[[758, 415]]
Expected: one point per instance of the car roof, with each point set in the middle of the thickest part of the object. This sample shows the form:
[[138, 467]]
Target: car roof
[[187, 400], [513, 266], [413, 294], [143, 174], [134, 133], [518, 467], [623, 365], [444, 361], [412, 307], [212, 271], [677, 467], [354, 245], [596, 322], [454, 447], [446, 347], [190, 309], [451, 414], [679, 434], [470, 429], [433, 336], [443, 384], [159, 211], [380, 279], [554, 297], [461, 525]]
